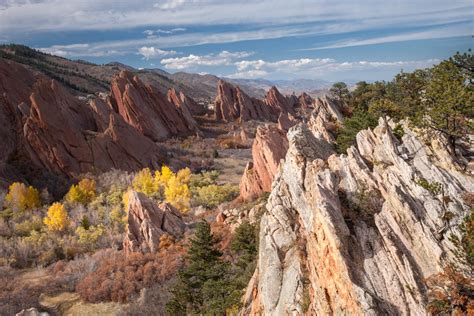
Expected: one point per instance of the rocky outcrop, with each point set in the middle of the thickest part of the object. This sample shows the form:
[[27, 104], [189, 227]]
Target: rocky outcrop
[[305, 101], [148, 221], [43, 126], [180, 100], [147, 110], [285, 122], [68, 137], [268, 148], [356, 234], [232, 104]]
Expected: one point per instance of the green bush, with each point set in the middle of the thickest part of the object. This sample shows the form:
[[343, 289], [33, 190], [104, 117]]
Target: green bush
[[29, 225], [346, 137], [212, 195], [433, 187]]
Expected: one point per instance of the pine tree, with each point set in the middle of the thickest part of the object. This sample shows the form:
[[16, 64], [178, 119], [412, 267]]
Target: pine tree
[[203, 285]]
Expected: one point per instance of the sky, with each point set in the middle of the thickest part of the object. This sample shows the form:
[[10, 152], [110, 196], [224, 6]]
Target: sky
[[272, 39]]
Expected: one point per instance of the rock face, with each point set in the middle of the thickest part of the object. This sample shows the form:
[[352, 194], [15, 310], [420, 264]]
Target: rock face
[[68, 137], [355, 234], [50, 129], [147, 110], [180, 100], [269, 147], [232, 103], [148, 221]]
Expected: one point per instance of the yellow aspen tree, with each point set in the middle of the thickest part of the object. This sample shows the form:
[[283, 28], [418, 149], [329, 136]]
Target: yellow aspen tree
[[20, 197], [57, 218], [144, 182]]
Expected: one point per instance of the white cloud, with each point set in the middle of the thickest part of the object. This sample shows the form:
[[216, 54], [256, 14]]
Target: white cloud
[[334, 16], [151, 33], [317, 67], [440, 32], [153, 52], [80, 50], [224, 58], [171, 4], [251, 74]]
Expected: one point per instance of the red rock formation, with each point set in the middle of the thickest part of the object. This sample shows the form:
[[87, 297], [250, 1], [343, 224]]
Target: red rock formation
[[269, 147], [147, 110], [232, 103], [180, 99], [69, 137], [44, 124], [305, 101], [278, 103], [148, 221], [285, 122]]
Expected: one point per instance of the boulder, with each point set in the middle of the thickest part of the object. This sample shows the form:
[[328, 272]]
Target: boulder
[[148, 221]]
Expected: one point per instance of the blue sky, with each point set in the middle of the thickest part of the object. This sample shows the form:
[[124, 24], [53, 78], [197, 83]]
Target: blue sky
[[277, 39]]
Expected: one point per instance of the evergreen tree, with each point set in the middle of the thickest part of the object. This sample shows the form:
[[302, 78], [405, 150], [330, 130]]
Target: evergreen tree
[[203, 285], [347, 136], [339, 91], [449, 103]]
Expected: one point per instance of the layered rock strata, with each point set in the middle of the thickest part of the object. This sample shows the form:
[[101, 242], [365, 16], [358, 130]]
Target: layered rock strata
[[356, 234]]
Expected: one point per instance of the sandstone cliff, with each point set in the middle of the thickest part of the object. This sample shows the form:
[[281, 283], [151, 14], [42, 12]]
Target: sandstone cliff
[[356, 234], [270, 146], [43, 126], [232, 103], [147, 110]]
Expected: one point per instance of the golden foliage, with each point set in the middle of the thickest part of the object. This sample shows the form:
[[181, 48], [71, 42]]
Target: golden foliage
[[84, 192], [144, 182], [57, 218], [174, 187], [21, 198], [177, 193]]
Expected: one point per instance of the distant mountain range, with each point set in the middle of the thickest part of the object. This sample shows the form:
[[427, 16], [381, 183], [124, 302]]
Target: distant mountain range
[[83, 77]]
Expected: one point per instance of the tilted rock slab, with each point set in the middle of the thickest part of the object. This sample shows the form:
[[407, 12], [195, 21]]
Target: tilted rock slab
[[318, 254], [148, 221], [232, 103], [148, 110], [269, 147]]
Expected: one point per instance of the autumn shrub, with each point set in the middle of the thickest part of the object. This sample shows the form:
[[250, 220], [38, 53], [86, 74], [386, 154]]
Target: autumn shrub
[[212, 195], [177, 193], [57, 219], [21, 198], [120, 278], [89, 237], [83, 192], [25, 227], [203, 179]]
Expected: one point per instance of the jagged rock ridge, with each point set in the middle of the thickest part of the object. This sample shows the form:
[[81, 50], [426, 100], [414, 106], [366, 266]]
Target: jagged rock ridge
[[232, 103], [356, 234], [44, 124], [147, 110], [270, 146]]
